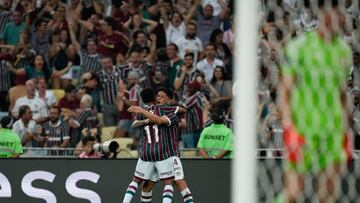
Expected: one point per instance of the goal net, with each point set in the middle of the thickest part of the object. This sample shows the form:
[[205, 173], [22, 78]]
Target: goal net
[[308, 109]]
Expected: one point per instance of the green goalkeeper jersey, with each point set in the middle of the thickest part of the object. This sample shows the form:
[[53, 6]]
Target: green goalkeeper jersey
[[320, 69]]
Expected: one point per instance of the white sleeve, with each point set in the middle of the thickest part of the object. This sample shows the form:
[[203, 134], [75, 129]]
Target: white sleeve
[[199, 66], [43, 109], [52, 99], [200, 45], [16, 128]]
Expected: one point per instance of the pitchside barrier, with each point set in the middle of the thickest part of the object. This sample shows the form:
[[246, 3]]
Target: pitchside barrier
[[50, 180], [79, 181]]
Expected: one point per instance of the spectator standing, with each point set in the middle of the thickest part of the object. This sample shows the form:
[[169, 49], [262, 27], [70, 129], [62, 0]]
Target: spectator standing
[[219, 86], [207, 21], [58, 22], [138, 65], [109, 78], [137, 23], [5, 14], [140, 41], [223, 52], [10, 143], [62, 55], [186, 74], [40, 39], [5, 85], [175, 63], [208, 64], [229, 35], [194, 102], [90, 59], [215, 4], [175, 25], [190, 42], [12, 30], [110, 42]]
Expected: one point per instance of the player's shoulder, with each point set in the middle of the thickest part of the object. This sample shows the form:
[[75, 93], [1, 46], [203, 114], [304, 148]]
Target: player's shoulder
[[297, 42], [169, 108]]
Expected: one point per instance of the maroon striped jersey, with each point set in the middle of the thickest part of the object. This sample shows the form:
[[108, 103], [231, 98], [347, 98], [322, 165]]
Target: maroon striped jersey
[[194, 115], [160, 141]]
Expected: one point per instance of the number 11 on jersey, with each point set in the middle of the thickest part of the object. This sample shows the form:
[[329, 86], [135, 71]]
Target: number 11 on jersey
[[155, 131]]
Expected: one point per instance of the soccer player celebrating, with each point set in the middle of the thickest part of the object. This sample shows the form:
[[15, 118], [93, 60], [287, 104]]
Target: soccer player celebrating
[[312, 103], [166, 162]]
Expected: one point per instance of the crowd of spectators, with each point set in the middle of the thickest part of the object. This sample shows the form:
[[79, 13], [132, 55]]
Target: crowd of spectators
[[103, 52]]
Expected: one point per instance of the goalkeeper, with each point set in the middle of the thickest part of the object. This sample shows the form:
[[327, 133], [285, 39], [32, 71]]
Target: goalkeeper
[[312, 103]]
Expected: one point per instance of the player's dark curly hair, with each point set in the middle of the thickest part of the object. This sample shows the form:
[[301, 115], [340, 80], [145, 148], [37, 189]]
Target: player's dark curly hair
[[167, 91], [148, 95]]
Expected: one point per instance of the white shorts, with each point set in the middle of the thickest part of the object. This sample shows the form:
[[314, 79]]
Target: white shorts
[[178, 168], [154, 171]]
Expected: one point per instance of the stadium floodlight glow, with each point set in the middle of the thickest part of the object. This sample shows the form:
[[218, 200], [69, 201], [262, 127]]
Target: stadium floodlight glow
[[244, 162]]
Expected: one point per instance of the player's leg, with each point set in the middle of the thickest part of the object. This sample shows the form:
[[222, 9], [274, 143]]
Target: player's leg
[[146, 192], [168, 193], [166, 174], [328, 183], [293, 185], [293, 178], [143, 171], [131, 189], [180, 182]]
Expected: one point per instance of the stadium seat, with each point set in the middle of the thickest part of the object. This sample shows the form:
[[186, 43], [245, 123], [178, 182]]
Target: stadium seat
[[188, 154], [127, 154], [124, 142], [107, 133], [15, 93], [59, 93]]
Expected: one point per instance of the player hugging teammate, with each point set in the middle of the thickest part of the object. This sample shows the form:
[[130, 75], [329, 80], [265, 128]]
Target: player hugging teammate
[[159, 148]]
